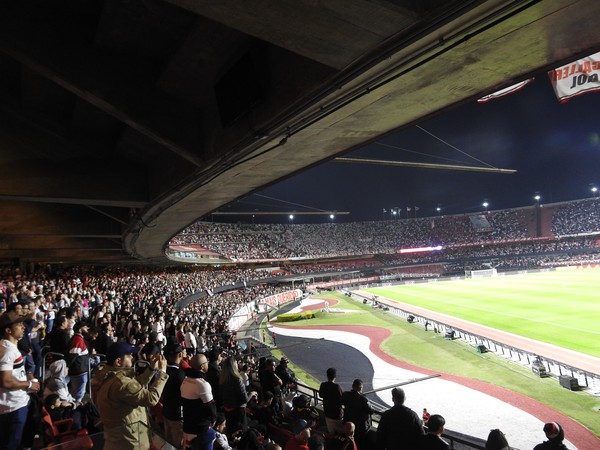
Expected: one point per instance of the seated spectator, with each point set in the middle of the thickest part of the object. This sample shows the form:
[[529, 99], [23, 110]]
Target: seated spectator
[[60, 410], [221, 441], [344, 439], [555, 434], [264, 415], [56, 383], [299, 441], [84, 416], [301, 409]]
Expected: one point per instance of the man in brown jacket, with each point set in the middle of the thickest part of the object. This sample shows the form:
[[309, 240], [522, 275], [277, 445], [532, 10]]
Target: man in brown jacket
[[122, 398]]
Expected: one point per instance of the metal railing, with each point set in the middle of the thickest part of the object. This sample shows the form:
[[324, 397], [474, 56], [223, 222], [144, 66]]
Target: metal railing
[[456, 440]]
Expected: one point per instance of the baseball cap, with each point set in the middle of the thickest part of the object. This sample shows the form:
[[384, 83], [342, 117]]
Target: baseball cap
[[150, 349], [300, 425], [119, 349], [9, 318], [172, 349]]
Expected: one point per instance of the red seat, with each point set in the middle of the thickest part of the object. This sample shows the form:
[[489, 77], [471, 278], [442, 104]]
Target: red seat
[[60, 433], [279, 434]]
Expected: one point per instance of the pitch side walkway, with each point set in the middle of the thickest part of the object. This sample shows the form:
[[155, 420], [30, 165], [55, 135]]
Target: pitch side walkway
[[470, 406], [569, 357]]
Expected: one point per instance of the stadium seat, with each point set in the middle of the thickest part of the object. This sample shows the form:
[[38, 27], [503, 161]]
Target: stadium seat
[[60, 434]]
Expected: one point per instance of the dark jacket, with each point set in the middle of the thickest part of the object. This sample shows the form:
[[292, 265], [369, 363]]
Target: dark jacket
[[233, 394], [432, 442], [399, 428], [171, 396], [331, 393], [358, 411]]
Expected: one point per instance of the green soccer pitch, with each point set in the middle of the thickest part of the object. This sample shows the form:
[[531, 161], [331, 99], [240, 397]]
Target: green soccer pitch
[[560, 307]]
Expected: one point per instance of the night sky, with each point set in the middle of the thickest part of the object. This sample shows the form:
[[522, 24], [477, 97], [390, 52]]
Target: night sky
[[554, 147]]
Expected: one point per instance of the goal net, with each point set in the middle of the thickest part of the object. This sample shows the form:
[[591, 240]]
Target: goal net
[[484, 273]]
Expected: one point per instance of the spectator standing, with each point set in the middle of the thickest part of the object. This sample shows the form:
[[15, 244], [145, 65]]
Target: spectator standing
[[59, 339], [399, 427], [286, 374], [14, 385], [233, 395], [269, 381], [199, 409], [358, 411], [425, 416], [331, 393], [79, 361], [191, 344], [213, 373], [105, 338], [171, 396], [122, 399], [433, 439], [555, 434]]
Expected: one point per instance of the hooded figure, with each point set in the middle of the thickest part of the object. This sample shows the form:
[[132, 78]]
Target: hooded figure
[[555, 434], [56, 383]]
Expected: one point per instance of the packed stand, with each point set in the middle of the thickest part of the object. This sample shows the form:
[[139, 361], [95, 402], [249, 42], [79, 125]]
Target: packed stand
[[577, 217], [58, 327], [241, 242]]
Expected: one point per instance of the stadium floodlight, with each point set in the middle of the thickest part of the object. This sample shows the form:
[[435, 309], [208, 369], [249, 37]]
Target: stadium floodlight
[[594, 190], [537, 197], [291, 217], [485, 205], [332, 216]]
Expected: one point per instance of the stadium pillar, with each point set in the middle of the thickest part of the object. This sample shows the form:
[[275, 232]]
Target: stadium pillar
[[538, 219]]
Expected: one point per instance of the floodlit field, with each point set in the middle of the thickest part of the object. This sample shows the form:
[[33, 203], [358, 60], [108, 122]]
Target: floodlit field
[[560, 307]]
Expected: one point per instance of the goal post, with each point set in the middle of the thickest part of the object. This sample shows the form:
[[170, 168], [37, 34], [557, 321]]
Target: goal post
[[484, 273]]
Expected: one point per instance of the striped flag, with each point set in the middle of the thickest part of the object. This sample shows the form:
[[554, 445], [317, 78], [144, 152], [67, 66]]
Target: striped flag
[[579, 77]]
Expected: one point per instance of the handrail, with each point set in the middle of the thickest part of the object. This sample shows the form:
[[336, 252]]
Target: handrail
[[402, 383], [465, 442]]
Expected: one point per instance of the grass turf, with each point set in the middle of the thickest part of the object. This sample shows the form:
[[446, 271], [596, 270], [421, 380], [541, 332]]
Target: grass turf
[[560, 307], [425, 349]]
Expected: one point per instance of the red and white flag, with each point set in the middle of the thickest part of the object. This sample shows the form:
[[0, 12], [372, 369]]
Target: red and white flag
[[579, 77]]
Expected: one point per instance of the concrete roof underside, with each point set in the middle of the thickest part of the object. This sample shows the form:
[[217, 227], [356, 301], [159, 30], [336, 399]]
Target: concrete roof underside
[[123, 121]]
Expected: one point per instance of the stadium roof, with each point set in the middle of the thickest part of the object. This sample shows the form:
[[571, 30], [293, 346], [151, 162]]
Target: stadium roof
[[124, 121]]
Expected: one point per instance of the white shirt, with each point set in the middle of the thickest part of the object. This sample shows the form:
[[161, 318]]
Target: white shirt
[[12, 360]]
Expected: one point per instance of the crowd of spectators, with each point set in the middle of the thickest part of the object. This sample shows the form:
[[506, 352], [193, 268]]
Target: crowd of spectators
[[582, 216], [249, 242], [81, 313]]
